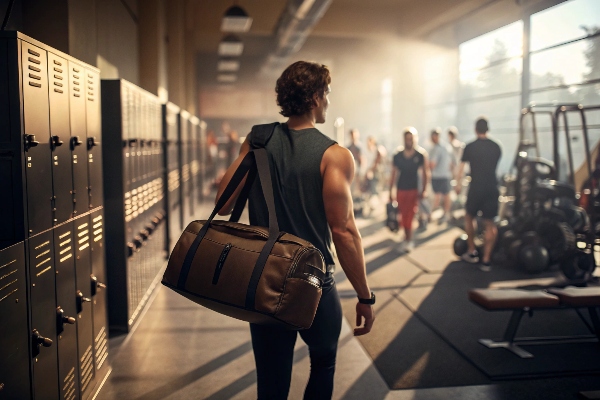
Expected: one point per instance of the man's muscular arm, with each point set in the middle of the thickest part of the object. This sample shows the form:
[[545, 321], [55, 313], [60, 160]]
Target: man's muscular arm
[[337, 169]]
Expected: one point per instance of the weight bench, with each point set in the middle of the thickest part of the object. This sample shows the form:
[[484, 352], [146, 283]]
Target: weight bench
[[521, 301]]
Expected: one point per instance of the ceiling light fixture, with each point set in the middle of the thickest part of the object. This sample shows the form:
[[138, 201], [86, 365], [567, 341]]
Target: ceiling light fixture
[[227, 65], [236, 19], [231, 46], [226, 78]]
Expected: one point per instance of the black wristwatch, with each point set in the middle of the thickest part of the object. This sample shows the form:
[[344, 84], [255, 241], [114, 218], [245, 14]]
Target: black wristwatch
[[367, 301]]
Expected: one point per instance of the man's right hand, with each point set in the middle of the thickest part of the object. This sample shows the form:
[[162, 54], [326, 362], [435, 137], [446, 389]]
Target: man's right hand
[[364, 312]]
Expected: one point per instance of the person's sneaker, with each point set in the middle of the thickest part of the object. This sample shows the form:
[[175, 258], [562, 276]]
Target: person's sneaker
[[471, 257], [443, 219], [401, 247], [485, 266], [409, 246], [422, 224]]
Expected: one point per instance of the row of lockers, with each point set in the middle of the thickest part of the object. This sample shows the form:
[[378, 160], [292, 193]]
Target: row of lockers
[[153, 154], [52, 261]]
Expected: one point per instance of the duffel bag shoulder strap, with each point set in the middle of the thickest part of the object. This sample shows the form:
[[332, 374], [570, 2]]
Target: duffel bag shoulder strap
[[259, 137], [258, 157]]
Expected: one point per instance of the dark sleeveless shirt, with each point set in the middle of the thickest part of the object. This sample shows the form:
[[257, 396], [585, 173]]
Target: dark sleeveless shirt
[[295, 163]]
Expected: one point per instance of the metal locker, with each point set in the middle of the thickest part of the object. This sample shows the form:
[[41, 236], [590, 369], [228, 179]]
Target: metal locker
[[14, 332], [34, 64], [82, 234], [60, 135], [184, 154], [98, 288], [78, 139], [66, 311], [94, 148], [42, 294], [171, 175]]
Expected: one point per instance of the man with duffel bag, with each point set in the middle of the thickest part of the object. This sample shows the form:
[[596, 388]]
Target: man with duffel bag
[[311, 177]]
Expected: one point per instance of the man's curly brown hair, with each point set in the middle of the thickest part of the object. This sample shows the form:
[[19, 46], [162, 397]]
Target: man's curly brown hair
[[298, 84]]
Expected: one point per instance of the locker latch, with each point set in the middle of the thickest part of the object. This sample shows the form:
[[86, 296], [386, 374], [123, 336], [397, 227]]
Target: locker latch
[[96, 284], [80, 300], [56, 141], [91, 142], [62, 319], [30, 142], [75, 141], [38, 340]]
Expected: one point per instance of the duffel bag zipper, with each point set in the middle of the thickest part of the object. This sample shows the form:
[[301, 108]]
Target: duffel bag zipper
[[221, 262]]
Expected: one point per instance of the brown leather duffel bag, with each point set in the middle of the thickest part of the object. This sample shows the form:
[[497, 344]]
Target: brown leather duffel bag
[[252, 273]]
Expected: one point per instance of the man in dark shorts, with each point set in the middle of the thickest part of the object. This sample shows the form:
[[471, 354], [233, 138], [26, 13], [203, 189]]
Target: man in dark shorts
[[482, 155], [406, 164]]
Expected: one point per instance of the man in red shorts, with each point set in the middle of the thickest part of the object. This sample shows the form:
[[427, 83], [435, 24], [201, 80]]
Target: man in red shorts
[[406, 165]]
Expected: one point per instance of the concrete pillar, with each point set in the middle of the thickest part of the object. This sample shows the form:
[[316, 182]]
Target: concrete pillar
[[152, 47]]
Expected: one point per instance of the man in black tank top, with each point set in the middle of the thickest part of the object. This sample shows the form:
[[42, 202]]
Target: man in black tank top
[[311, 177], [482, 155]]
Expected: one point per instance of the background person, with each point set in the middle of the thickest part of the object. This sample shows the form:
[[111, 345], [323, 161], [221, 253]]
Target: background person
[[483, 155], [406, 165], [440, 164], [311, 186]]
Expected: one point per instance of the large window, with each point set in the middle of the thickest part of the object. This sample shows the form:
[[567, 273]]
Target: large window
[[564, 67], [565, 53]]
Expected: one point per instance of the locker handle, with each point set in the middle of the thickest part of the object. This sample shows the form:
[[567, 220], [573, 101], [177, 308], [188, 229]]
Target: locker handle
[[80, 300], [96, 284], [62, 319], [38, 340], [130, 249], [133, 142], [144, 234], [75, 142], [92, 141], [56, 141], [30, 142]]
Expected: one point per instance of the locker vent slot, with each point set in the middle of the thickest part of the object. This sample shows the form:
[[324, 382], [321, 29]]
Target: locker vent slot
[[75, 69], [58, 70], [75, 83], [87, 368], [65, 247], [76, 88], [101, 344], [34, 60], [58, 77], [69, 385], [7, 264], [36, 69], [98, 218], [35, 53], [76, 95], [58, 90], [35, 84], [57, 62], [58, 84], [7, 286]]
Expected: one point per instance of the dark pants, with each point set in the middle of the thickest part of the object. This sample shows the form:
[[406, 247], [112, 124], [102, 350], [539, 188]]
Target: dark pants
[[274, 351]]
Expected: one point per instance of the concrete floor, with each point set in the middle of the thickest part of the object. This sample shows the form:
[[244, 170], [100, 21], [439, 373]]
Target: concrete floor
[[179, 350]]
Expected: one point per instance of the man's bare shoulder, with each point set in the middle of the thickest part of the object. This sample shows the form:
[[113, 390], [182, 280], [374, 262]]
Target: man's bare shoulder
[[339, 157]]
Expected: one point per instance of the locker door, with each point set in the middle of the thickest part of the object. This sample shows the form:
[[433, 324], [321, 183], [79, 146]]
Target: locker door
[[78, 139], [37, 138], [66, 309], [99, 300], [84, 306], [43, 315], [92, 89], [60, 132], [14, 332], [185, 169]]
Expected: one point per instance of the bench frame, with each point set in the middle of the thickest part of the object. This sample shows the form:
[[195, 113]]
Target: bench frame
[[511, 343]]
